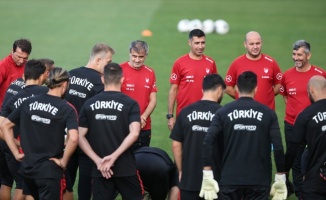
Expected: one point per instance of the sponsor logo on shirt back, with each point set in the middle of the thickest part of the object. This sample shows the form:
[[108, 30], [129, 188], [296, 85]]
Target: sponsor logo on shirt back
[[241, 127], [40, 119], [76, 93], [323, 128], [105, 117], [199, 128]]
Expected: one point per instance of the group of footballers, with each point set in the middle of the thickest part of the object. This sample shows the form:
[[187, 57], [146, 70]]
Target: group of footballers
[[61, 111], [239, 131], [88, 119]]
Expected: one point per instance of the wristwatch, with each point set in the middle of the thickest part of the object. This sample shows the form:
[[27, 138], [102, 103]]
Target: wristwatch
[[168, 116]]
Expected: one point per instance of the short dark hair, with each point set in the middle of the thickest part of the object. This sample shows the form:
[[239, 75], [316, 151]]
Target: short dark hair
[[247, 82], [112, 73], [213, 81], [196, 33], [33, 69], [49, 64], [24, 44], [302, 43]]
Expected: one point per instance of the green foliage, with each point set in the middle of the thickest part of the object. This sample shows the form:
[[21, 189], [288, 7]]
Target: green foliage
[[66, 31]]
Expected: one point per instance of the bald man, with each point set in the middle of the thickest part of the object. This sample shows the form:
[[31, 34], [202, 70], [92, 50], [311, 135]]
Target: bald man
[[265, 67], [310, 128]]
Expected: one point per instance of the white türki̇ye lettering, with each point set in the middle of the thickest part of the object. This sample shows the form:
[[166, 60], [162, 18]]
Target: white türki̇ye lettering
[[20, 101], [200, 116], [43, 107], [236, 114], [82, 82], [106, 105], [321, 116]]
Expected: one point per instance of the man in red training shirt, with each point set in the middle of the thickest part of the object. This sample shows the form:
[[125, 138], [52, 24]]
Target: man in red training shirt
[[12, 66], [265, 67], [140, 84], [294, 91], [187, 75]]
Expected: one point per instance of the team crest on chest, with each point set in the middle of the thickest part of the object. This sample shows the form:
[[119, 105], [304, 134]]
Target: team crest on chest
[[266, 70], [146, 80], [207, 71]]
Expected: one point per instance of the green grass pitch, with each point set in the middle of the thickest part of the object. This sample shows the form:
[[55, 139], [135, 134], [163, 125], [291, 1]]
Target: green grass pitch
[[66, 31]]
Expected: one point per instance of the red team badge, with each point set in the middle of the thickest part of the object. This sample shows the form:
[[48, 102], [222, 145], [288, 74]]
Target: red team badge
[[174, 77], [279, 76], [228, 78], [281, 89]]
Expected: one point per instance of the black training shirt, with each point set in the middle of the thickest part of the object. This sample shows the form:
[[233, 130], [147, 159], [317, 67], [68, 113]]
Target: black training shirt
[[310, 129], [42, 121], [248, 129], [84, 83], [190, 129], [107, 116]]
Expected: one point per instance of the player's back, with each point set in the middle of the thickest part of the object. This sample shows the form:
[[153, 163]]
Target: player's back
[[84, 83], [246, 127]]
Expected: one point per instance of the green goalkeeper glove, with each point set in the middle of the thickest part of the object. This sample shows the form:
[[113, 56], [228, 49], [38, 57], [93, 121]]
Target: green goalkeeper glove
[[209, 187], [279, 190]]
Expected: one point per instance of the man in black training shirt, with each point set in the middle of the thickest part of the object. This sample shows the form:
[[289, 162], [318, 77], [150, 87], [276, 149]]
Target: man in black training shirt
[[109, 123], [85, 82], [310, 127], [42, 121], [13, 89], [248, 128], [188, 135], [157, 171], [35, 75]]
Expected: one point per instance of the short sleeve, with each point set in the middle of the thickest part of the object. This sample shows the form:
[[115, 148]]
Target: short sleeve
[[83, 119], [277, 73], [175, 74], [72, 119], [231, 75], [176, 133], [134, 115]]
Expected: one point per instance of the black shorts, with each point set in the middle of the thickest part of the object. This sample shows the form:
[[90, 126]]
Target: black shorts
[[71, 170], [63, 187], [129, 187], [85, 179], [315, 194], [157, 171], [5, 174], [14, 166], [185, 195], [244, 192], [80, 162], [44, 188]]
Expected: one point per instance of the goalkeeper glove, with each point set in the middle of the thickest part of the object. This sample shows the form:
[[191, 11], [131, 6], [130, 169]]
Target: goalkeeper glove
[[209, 187], [279, 189]]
